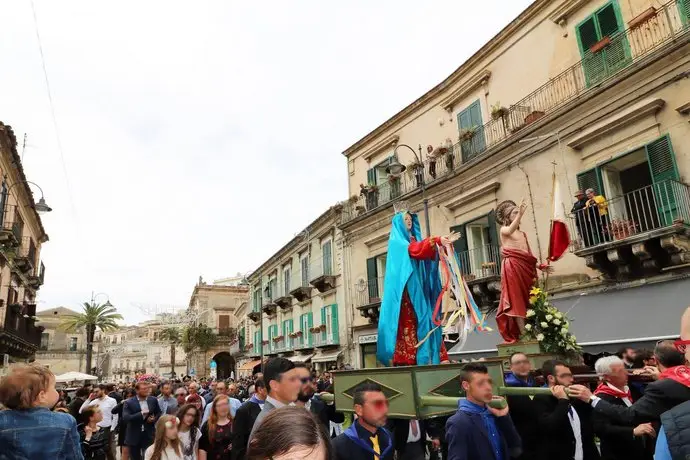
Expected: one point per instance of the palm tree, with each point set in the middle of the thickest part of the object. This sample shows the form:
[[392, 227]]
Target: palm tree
[[95, 316], [172, 335], [197, 338]]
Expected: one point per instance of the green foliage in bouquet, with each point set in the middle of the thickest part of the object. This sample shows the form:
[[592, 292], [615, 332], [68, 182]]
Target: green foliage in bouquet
[[549, 326]]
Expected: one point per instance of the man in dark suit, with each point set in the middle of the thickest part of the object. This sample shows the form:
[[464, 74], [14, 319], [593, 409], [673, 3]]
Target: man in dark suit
[[244, 420], [671, 388], [565, 428], [307, 398], [283, 387], [409, 438], [140, 413], [522, 407], [367, 437], [478, 431], [619, 441]]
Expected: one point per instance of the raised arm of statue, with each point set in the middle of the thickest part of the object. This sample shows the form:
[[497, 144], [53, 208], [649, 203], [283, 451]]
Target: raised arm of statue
[[515, 222]]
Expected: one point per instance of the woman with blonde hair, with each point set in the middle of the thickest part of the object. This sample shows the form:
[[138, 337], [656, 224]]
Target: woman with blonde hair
[[216, 433], [166, 445]]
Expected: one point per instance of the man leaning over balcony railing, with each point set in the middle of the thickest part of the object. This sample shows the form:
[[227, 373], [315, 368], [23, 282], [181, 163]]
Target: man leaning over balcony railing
[[598, 214]]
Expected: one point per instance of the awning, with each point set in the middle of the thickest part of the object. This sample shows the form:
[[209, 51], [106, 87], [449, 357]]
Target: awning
[[74, 377], [606, 320], [250, 365], [300, 358], [327, 357]]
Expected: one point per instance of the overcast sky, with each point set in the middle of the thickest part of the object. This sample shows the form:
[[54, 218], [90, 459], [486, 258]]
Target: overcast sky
[[199, 137]]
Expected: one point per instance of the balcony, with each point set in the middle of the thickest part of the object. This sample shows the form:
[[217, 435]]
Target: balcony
[[19, 336], [279, 344], [269, 306], [324, 338], [368, 295], [282, 296], [25, 260], [618, 52], [322, 276], [226, 334], [301, 288], [303, 340], [481, 268], [641, 233], [36, 280], [11, 228], [255, 314]]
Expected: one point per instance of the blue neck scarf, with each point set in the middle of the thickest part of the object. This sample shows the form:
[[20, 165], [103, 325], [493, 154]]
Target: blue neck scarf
[[513, 380], [352, 433], [489, 422], [256, 400], [423, 284]]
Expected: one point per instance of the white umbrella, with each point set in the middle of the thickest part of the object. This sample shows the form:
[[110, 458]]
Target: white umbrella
[[74, 376]]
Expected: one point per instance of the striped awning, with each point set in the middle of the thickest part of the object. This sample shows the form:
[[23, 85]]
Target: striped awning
[[250, 365]]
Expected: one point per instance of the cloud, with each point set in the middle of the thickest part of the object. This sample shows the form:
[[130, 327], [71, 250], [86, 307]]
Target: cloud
[[199, 137]]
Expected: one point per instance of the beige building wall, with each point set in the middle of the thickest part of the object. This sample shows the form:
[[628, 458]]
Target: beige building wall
[[60, 351], [646, 99], [322, 290]]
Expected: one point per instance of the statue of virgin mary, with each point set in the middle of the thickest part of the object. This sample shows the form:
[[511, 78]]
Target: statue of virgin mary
[[411, 286]]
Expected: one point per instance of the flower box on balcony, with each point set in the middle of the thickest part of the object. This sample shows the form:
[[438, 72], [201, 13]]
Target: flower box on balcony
[[265, 342], [534, 116], [621, 229], [298, 334], [643, 17], [498, 112], [279, 338], [600, 45], [467, 134]]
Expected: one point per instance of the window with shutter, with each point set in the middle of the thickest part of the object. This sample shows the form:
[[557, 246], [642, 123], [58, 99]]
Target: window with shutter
[[471, 119], [599, 65], [590, 179], [327, 258], [684, 7], [372, 278], [664, 171]]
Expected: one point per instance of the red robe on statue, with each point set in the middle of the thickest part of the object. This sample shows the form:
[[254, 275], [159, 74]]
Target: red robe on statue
[[405, 346], [518, 274]]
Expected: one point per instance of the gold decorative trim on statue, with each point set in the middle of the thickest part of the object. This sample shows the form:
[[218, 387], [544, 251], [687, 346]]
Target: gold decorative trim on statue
[[401, 206]]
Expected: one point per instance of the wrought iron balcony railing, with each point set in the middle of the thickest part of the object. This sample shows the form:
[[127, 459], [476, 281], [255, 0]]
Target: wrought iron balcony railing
[[667, 24], [368, 292], [325, 338], [650, 208], [479, 263]]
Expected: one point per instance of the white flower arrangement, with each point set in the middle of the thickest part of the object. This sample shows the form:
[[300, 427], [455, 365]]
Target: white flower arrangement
[[549, 317], [530, 313], [540, 337], [528, 327], [548, 326]]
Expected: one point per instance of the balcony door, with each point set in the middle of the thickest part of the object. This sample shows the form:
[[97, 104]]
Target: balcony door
[[471, 119], [478, 241], [304, 266]]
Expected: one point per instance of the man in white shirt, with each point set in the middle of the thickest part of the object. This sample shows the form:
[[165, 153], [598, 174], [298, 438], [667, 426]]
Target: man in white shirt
[[99, 397]]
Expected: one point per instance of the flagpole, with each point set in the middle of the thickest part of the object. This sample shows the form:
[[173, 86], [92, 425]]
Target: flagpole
[[553, 216]]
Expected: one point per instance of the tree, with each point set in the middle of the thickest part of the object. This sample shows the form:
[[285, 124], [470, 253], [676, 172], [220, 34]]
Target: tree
[[172, 335], [95, 316], [197, 338]]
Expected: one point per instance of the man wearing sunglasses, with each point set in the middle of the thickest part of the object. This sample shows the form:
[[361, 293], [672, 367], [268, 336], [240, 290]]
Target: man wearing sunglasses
[[308, 399], [367, 437]]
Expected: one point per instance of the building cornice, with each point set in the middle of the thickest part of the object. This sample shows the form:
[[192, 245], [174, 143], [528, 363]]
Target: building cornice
[[561, 14], [480, 79], [461, 72], [387, 143]]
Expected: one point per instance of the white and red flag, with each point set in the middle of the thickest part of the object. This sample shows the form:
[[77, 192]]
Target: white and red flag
[[559, 239]]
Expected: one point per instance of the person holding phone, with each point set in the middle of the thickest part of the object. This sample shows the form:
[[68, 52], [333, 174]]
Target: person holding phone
[[140, 413]]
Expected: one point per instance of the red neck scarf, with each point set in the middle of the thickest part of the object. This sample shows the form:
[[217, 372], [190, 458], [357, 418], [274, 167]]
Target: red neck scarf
[[680, 374], [604, 389]]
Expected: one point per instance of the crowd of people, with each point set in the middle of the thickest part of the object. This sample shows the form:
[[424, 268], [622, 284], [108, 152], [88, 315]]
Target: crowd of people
[[283, 414]]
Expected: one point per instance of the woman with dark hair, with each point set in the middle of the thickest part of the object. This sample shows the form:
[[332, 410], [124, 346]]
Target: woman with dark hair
[[121, 425], [216, 433], [79, 398], [188, 431], [94, 439], [288, 433]]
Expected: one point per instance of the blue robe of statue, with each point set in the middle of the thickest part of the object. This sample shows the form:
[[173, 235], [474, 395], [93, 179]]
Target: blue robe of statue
[[422, 281]]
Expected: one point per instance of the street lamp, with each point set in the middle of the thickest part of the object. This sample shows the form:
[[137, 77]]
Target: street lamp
[[395, 168], [41, 206]]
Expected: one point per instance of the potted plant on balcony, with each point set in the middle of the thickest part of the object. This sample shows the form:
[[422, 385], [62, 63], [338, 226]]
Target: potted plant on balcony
[[621, 229], [467, 134], [533, 116], [298, 334], [322, 328], [498, 111], [394, 182], [371, 195], [265, 342], [600, 45]]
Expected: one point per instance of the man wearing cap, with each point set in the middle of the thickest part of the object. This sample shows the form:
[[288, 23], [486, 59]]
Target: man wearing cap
[[579, 213]]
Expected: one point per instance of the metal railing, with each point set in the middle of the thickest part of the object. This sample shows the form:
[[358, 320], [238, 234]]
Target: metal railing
[[279, 346], [368, 292], [649, 208], [619, 51], [481, 262], [304, 340], [323, 338], [321, 268]]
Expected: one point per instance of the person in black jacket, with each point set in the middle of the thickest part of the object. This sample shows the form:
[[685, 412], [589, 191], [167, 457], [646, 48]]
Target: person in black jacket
[[79, 398], [245, 418], [671, 389], [121, 428], [409, 438], [522, 407], [367, 438], [619, 441], [565, 427], [307, 398]]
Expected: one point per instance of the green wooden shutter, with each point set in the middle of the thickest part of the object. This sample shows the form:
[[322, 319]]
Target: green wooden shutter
[[616, 55], [334, 322], [608, 21], [684, 7], [494, 239], [593, 64], [664, 171], [372, 279], [324, 317], [471, 118], [310, 324], [3, 202], [590, 179], [327, 259], [371, 176], [461, 248]]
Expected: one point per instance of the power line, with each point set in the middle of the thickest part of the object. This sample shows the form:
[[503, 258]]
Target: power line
[[52, 113]]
